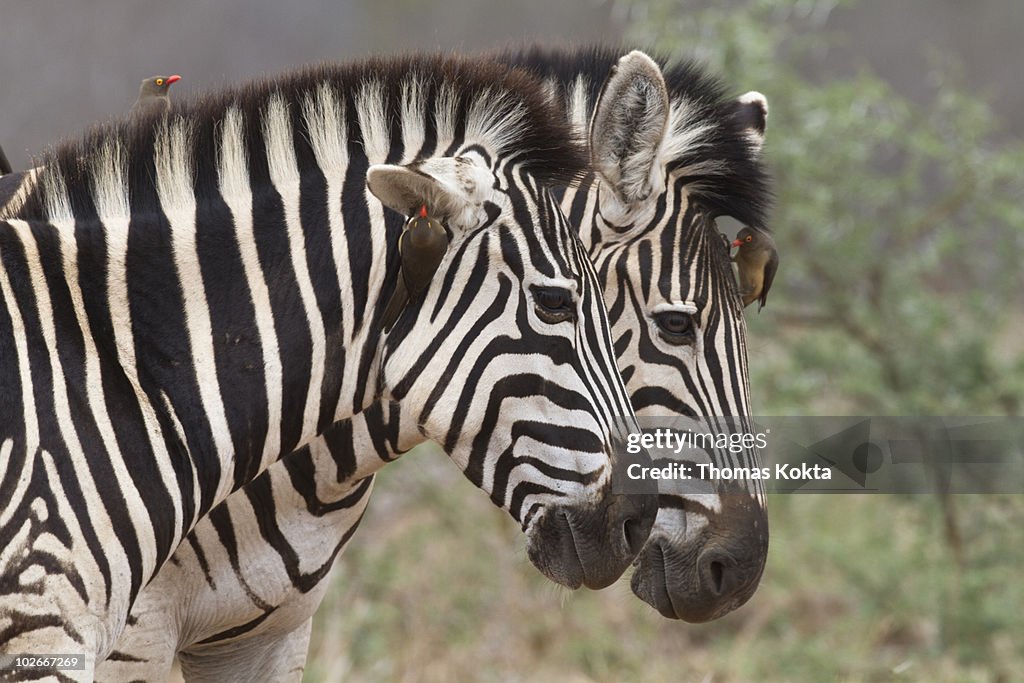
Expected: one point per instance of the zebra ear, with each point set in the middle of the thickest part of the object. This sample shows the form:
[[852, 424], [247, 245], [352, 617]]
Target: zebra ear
[[751, 112], [629, 125], [453, 188]]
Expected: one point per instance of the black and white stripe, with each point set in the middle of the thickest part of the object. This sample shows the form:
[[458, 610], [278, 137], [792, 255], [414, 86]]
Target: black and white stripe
[[189, 296], [255, 570], [689, 154]]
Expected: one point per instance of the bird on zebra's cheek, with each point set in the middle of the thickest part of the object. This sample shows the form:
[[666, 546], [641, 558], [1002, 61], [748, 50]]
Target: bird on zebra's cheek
[[527, 432], [668, 158]]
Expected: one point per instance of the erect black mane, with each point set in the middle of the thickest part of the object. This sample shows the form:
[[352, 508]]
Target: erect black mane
[[546, 147], [740, 187]]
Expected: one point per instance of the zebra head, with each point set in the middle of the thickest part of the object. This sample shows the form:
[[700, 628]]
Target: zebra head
[[506, 361], [668, 158]]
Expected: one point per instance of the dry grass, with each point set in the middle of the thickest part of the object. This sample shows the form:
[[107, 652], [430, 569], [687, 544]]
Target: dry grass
[[435, 587]]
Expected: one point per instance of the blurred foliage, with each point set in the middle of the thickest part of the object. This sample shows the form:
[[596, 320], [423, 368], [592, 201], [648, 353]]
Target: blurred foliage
[[901, 231], [436, 588]]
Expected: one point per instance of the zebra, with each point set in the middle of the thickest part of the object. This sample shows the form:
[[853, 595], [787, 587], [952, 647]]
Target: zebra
[[191, 295], [650, 205], [255, 570]]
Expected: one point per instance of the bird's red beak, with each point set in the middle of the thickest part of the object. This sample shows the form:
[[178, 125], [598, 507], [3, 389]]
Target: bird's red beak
[[737, 243], [173, 79]]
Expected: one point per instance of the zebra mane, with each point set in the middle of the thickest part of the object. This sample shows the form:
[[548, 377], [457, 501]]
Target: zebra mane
[[708, 144], [474, 100]]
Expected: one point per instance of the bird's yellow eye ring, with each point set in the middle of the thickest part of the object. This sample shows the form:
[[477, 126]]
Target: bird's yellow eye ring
[[159, 81], [750, 237]]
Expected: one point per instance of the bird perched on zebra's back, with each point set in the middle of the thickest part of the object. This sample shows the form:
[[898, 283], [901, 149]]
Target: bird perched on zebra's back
[[154, 95], [758, 260]]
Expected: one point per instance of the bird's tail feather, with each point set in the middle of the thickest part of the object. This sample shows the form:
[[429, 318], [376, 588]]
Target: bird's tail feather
[[399, 298]]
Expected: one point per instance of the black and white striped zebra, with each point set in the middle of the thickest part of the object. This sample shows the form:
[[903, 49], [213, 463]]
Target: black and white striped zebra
[[190, 296], [670, 154], [253, 573]]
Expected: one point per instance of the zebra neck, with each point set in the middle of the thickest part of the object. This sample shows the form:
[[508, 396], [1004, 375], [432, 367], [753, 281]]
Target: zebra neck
[[239, 316], [276, 313], [354, 449], [244, 259]]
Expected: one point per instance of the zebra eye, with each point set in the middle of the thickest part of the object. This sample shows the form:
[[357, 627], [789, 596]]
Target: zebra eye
[[553, 304], [676, 327]]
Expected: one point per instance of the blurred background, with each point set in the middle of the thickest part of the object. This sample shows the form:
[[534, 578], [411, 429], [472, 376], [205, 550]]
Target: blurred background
[[895, 139]]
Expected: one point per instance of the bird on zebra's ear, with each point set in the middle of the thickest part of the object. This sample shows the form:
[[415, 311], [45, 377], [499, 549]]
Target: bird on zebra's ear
[[421, 247], [154, 95], [458, 193], [757, 261]]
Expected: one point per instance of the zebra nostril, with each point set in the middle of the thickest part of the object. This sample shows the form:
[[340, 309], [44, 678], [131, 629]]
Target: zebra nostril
[[719, 574], [635, 532], [716, 572]]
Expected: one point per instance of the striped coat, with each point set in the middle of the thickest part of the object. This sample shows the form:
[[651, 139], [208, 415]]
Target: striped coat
[[253, 573], [185, 298]]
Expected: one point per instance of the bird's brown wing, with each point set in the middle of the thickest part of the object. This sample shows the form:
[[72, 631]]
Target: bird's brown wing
[[150, 104], [399, 298], [769, 275]]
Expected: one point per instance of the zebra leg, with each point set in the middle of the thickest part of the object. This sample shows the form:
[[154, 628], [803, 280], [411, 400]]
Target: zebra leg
[[146, 650], [155, 640], [232, 581], [269, 658]]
